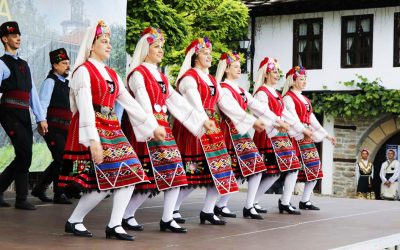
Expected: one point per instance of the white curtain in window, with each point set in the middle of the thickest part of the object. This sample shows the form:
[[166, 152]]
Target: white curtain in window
[[316, 44], [365, 24], [302, 45], [349, 43], [303, 29], [351, 26], [316, 27]]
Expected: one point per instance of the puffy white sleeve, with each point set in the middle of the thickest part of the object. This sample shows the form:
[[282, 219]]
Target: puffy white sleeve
[[230, 107], [382, 173], [357, 173], [372, 172], [396, 173], [180, 108], [137, 86], [143, 123], [290, 116], [188, 88], [262, 111], [319, 133], [263, 99], [81, 101]]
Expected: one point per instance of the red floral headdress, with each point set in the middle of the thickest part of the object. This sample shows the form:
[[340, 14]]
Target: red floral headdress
[[230, 57], [272, 64], [154, 35], [296, 72], [102, 29], [198, 44]]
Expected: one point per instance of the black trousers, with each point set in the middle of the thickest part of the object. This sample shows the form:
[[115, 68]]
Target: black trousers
[[17, 125], [55, 141]]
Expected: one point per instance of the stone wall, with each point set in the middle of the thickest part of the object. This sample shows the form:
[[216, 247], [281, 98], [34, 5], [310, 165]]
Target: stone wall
[[353, 135]]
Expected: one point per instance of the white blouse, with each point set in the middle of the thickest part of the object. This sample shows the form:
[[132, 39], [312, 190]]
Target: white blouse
[[81, 100], [176, 104], [226, 103], [296, 127], [319, 133], [386, 169], [257, 108]]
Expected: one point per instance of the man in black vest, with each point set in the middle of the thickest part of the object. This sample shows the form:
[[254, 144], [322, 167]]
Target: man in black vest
[[19, 93], [54, 98]]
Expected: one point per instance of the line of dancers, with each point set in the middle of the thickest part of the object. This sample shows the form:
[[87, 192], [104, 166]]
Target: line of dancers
[[208, 146]]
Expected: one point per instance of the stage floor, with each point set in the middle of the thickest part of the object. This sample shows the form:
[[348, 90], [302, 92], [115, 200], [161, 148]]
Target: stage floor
[[340, 223]]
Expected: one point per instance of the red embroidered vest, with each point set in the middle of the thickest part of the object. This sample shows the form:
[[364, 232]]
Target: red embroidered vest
[[303, 112], [240, 98]]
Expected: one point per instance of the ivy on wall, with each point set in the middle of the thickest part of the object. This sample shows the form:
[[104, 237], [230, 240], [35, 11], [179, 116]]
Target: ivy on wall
[[371, 99]]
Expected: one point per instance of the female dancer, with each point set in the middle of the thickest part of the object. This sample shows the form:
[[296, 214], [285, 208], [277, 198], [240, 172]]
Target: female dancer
[[206, 160], [98, 157], [300, 107], [246, 160], [161, 160], [278, 150]]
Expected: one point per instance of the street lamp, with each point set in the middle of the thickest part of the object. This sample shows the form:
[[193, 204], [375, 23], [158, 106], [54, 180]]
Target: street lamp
[[244, 44], [244, 47]]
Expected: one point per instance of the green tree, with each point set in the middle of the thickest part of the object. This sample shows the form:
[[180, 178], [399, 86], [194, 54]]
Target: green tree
[[223, 21]]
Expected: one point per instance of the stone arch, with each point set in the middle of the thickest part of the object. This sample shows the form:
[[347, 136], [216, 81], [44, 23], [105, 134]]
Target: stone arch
[[379, 131]]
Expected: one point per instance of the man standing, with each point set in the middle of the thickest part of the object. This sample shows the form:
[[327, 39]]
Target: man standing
[[389, 174], [54, 98], [19, 93]]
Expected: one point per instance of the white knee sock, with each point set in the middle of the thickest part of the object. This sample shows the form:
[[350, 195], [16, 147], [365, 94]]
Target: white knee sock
[[86, 203], [290, 182], [170, 197], [135, 202], [308, 188], [120, 202], [223, 202], [265, 184], [183, 193], [253, 184], [210, 200]]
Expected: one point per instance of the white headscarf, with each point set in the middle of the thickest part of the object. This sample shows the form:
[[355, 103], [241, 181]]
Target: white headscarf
[[143, 45], [140, 53], [222, 65], [260, 78], [195, 45], [262, 70], [288, 84], [86, 46], [186, 65]]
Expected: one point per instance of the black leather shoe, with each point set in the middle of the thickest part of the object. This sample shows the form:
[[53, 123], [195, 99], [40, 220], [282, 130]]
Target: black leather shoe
[[3, 203], [41, 195], [218, 211], [289, 204], [247, 213], [126, 225], [61, 199], [167, 225], [70, 228], [179, 220], [210, 218], [260, 210], [110, 232], [24, 205], [289, 209], [303, 205]]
